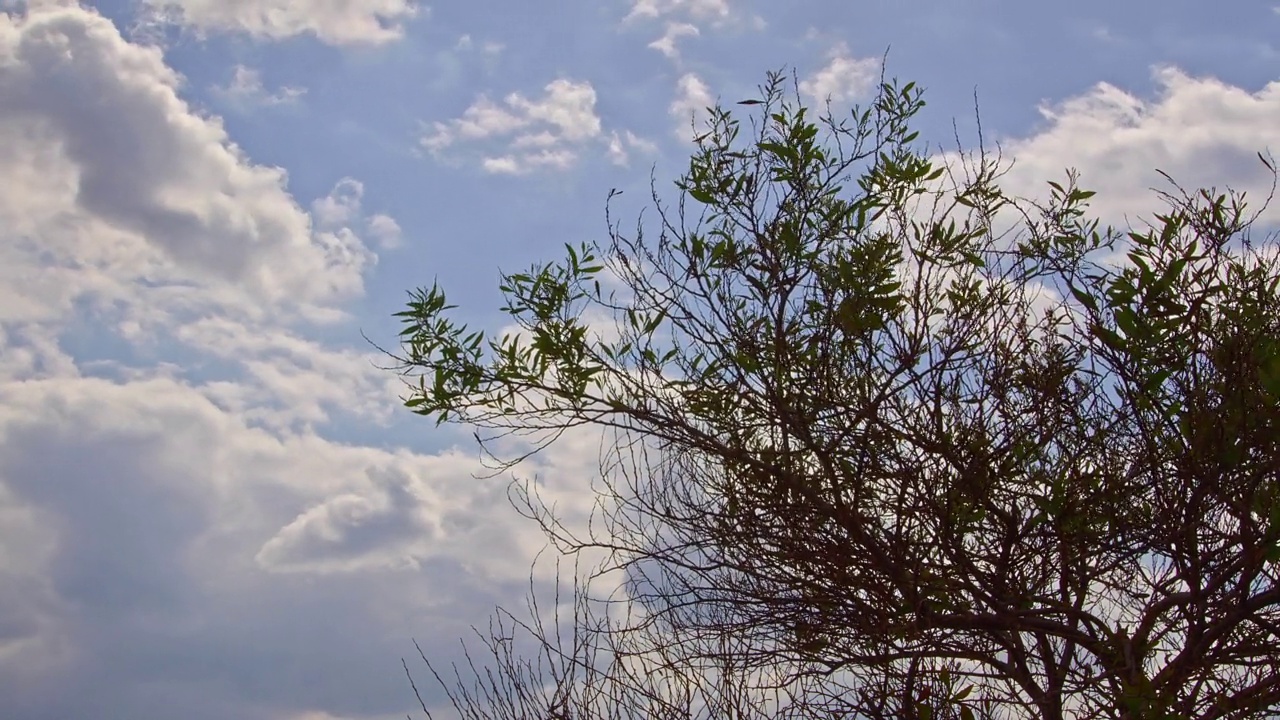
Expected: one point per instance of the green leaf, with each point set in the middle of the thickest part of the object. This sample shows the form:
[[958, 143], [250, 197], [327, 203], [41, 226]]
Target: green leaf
[[779, 150], [1084, 298], [1127, 321], [1109, 338]]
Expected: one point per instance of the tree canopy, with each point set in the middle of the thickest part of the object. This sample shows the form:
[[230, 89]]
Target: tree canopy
[[888, 441]]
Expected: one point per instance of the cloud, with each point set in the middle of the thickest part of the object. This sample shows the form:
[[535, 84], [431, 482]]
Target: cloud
[[341, 206], [384, 230], [246, 90], [489, 48], [183, 524], [481, 120], [699, 9], [1202, 131], [128, 177], [689, 107], [542, 133], [621, 145], [336, 22], [174, 531], [172, 555], [286, 381], [550, 158], [667, 43], [389, 528], [717, 13], [843, 78], [568, 106]]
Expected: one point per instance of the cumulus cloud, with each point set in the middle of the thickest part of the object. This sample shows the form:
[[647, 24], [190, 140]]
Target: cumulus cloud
[[843, 78], [568, 106], [125, 158], [337, 22], [174, 528], [1200, 130], [522, 135], [163, 539], [245, 90], [689, 107]]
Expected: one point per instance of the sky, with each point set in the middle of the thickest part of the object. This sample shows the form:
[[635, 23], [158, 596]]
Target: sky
[[212, 505]]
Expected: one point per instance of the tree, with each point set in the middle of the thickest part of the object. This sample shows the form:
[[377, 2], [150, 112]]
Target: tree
[[889, 442]]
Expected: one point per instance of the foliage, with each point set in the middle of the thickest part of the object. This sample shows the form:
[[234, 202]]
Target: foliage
[[876, 454]]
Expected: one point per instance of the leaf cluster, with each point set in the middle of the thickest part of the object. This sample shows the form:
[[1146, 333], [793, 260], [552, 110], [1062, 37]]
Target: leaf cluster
[[877, 443]]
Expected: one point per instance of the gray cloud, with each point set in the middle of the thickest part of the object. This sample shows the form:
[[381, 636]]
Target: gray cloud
[[352, 531], [130, 517]]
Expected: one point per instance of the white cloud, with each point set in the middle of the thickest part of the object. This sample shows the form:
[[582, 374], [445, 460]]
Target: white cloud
[[553, 158], [569, 106], [843, 78], [288, 381], [689, 107], [700, 9], [540, 133], [717, 13], [1201, 131], [128, 178], [482, 119], [341, 206], [337, 22], [129, 211], [667, 43], [245, 90], [622, 144], [536, 140], [384, 230]]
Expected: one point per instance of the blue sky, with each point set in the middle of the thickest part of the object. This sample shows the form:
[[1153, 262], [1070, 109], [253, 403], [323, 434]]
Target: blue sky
[[211, 505]]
